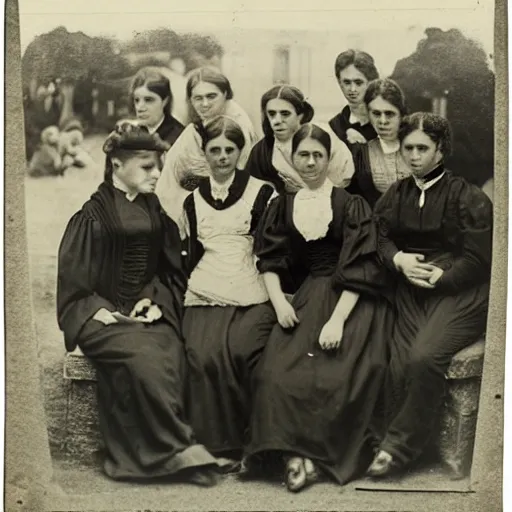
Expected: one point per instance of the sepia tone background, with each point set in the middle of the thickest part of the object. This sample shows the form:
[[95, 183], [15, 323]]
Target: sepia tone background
[[253, 60]]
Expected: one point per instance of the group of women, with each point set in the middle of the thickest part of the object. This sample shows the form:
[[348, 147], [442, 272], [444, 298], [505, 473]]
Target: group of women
[[282, 306]]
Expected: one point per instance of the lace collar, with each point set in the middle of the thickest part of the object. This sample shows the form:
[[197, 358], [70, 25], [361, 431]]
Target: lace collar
[[312, 211]]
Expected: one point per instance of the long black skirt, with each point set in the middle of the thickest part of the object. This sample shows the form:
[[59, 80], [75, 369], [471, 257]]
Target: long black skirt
[[430, 329], [141, 375], [320, 404], [223, 346]]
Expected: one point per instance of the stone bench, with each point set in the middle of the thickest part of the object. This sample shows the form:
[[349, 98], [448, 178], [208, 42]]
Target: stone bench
[[456, 437]]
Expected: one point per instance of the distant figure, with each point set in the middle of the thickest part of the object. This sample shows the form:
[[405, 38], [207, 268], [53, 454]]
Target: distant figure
[[71, 147], [354, 71], [153, 101], [46, 160]]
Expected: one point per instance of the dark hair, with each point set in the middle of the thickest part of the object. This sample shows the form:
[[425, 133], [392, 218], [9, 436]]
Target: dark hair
[[292, 95], [221, 125], [436, 127], [312, 131], [156, 82], [362, 61], [389, 90], [212, 76], [127, 139]]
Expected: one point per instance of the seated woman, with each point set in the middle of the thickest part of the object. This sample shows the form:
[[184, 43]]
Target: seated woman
[[119, 298], [228, 316], [379, 163], [153, 101], [435, 234], [209, 95], [354, 70], [284, 110], [318, 379]]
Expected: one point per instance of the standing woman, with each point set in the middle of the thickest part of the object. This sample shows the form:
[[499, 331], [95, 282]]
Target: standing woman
[[284, 110], [354, 70], [228, 316], [379, 163], [209, 95], [435, 234], [152, 101], [119, 298], [319, 378]]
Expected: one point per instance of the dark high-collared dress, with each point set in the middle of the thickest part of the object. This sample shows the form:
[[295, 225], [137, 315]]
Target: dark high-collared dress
[[453, 230], [340, 123], [307, 401], [113, 253], [170, 129]]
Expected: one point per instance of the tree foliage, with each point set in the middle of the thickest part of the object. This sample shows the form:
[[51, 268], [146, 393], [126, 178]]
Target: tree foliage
[[448, 63]]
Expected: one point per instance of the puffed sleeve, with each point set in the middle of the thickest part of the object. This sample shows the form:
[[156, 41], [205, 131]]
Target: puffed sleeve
[[359, 268], [271, 240], [260, 205], [475, 223], [382, 215], [80, 257], [259, 165]]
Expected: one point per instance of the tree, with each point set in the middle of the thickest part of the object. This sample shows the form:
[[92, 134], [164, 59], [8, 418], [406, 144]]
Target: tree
[[446, 63], [72, 58]]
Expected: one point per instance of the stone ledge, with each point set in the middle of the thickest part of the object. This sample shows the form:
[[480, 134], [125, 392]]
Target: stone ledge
[[467, 363]]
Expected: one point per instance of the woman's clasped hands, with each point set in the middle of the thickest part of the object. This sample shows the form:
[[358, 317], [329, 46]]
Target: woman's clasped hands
[[416, 271], [144, 311]]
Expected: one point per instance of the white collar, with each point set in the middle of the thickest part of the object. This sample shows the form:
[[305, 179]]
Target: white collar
[[123, 188], [323, 190], [155, 128], [220, 191], [424, 186], [389, 147], [353, 119]]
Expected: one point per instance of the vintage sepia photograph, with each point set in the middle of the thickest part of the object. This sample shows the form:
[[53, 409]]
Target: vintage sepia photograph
[[261, 250]]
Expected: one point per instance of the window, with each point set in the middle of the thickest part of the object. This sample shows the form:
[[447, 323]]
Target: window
[[281, 65]]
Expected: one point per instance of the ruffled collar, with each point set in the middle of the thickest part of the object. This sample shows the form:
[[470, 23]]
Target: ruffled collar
[[312, 211], [234, 191]]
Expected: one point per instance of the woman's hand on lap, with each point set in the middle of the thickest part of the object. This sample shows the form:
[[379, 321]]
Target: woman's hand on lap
[[105, 317], [286, 315], [331, 334]]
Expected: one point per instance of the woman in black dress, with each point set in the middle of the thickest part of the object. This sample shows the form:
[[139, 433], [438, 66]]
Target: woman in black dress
[[318, 379], [228, 316], [283, 110], [435, 235], [379, 163], [119, 298], [152, 101], [354, 70]]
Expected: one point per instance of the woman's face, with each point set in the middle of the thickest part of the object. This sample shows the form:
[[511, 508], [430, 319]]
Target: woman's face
[[149, 107], [311, 161], [208, 100], [420, 153], [283, 119], [222, 156], [353, 85], [385, 118], [140, 172]]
